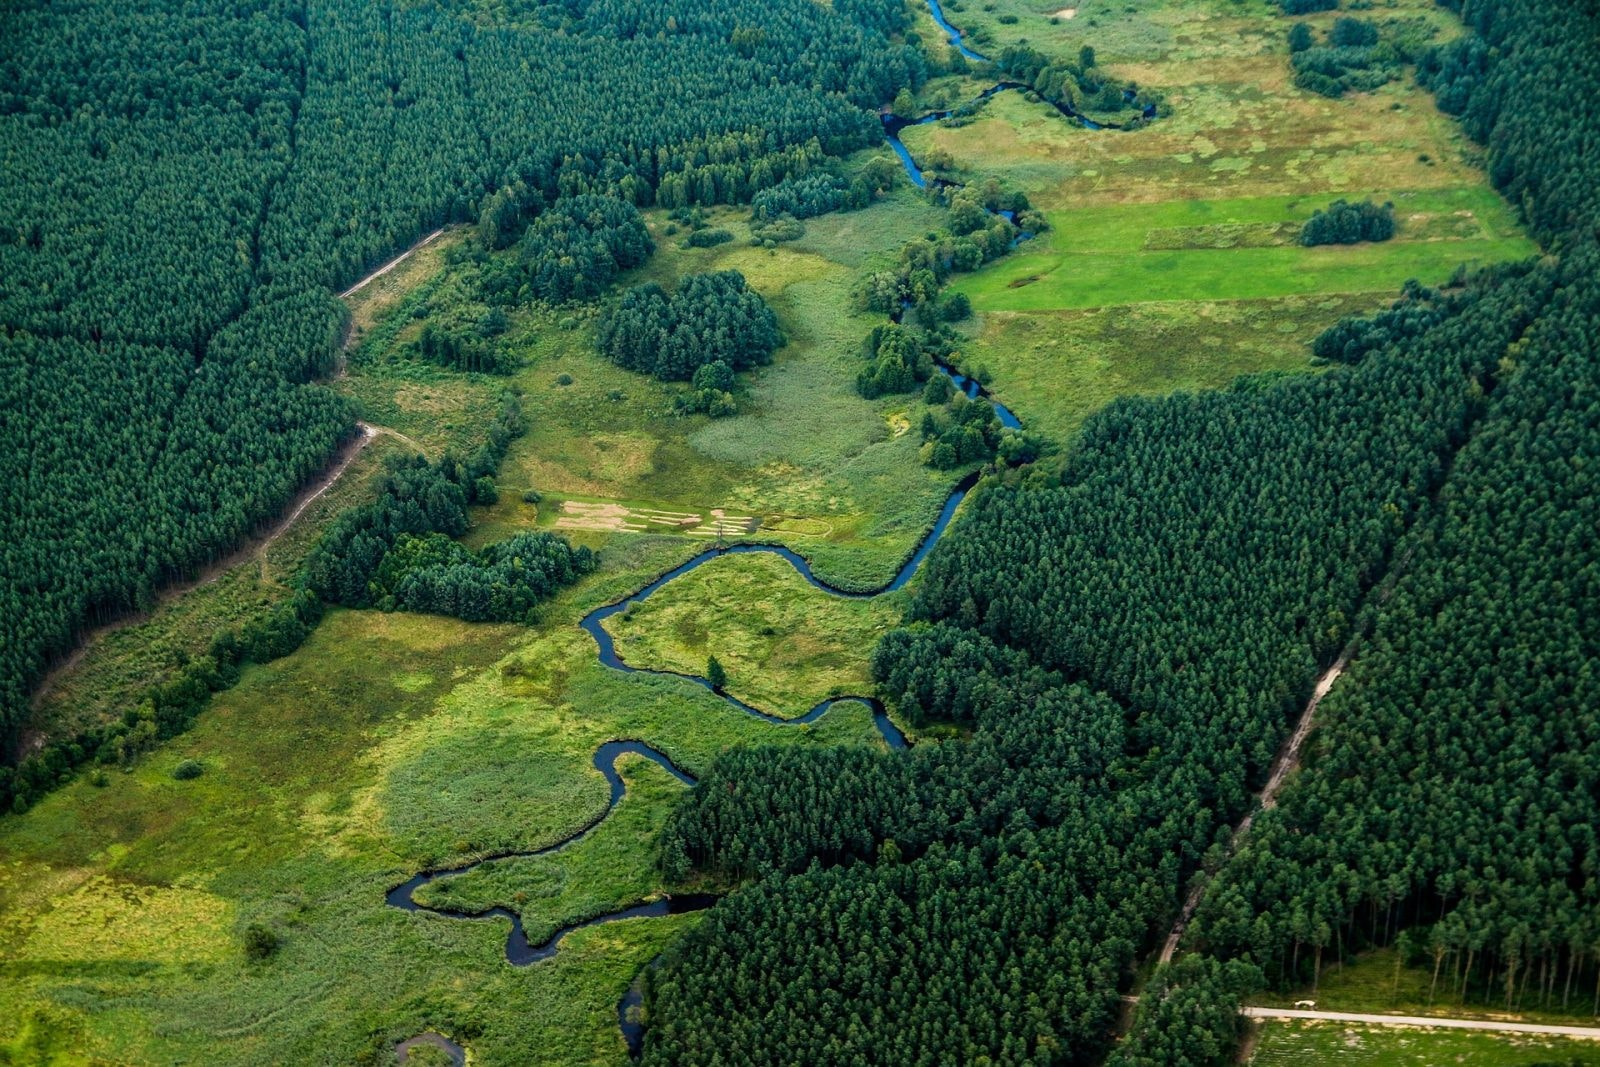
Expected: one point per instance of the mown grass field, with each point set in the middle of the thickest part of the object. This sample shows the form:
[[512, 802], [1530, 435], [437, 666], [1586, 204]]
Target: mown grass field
[[1218, 250], [1315, 1044]]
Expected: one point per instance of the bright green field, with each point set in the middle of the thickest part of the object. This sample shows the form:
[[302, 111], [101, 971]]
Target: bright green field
[[1096, 256], [1318, 1044], [1171, 261]]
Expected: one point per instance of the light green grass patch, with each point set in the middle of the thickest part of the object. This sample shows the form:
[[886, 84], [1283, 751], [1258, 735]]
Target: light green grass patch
[[1314, 1044], [1122, 254], [612, 867], [1056, 368], [785, 644]]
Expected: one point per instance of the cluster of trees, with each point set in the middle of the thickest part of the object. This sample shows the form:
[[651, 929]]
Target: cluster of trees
[[1188, 1015], [1352, 60], [1346, 223], [1125, 647], [708, 237], [976, 232], [1449, 802], [1307, 7], [825, 191], [710, 318], [710, 392], [964, 431], [577, 247], [899, 358], [469, 349], [504, 582], [1074, 87], [187, 186]]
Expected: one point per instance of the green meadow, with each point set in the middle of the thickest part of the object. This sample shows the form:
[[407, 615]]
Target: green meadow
[[1316, 1044], [1096, 256], [785, 644]]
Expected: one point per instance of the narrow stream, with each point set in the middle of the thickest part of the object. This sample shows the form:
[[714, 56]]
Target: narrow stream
[[519, 952]]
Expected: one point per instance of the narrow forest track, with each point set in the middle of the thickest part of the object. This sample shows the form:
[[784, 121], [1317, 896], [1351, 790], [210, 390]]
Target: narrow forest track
[[1287, 760], [391, 265], [1588, 1033], [252, 548]]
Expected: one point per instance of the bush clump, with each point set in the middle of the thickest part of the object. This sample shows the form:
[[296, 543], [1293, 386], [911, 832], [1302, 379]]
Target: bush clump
[[1346, 223], [260, 942]]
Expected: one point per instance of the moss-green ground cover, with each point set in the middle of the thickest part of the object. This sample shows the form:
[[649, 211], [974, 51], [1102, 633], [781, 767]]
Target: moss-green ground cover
[[1319, 1044], [785, 644]]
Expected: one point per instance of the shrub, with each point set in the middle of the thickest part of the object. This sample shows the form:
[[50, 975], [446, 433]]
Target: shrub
[[188, 769], [260, 942], [708, 238]]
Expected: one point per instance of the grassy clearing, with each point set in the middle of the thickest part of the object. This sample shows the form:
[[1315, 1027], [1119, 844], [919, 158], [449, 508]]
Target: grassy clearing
[[1354, 1045], [118, 664], [805, 454], [388, 743], [1373, 983], [380, 296], [1057, 368], [1096, 257], [785, 644]]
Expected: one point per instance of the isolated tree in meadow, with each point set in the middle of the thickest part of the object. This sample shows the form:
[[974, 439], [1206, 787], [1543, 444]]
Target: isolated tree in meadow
[[716, 674]]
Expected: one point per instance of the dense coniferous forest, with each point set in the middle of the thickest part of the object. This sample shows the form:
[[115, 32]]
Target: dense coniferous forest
[[1128, 647], [184, 189], [1452, 793], [710, 318], [1171, 599]]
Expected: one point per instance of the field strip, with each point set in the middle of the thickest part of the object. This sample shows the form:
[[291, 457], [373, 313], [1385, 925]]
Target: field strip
[[1590, 1033], [389, 266], [253, 547]]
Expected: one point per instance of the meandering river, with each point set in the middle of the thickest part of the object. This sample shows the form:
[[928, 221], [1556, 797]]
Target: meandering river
[[519, 951]]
